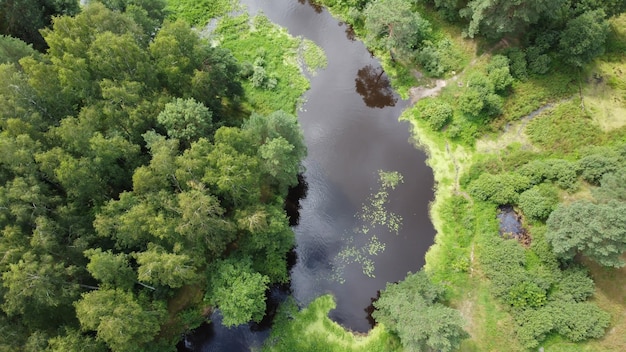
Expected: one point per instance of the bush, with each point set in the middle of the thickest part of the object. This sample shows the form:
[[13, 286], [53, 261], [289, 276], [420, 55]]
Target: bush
[[499, 73], [539, 201], [579, 321], [534, 326], [478, 99], [526, 295], [594, 166], [563, 173], [575, 285], [435, 111], [500, 189], [439, 58], [536, 171], [538, 62], [517, 63]]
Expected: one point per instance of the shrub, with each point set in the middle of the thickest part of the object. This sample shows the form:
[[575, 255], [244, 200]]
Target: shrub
[[525, 295], [579, 321], [563, 173], [575, 285], [500, 189], [517, 63], [439, 58], [536, 171], [539, 201], [538, 62], [594, 166], [534, 326], [478, 99], [499, 73], [435, 111]]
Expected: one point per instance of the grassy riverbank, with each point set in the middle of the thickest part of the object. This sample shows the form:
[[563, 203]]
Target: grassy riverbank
[[557, 118], [464, 225], [576, 111]]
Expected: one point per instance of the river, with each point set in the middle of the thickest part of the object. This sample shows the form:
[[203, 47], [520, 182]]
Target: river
[[351, 129]]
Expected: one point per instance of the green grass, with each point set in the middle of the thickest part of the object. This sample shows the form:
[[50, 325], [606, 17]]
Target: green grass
[[538, 91], [564, 129], [314, 57], [253, 38], [199, 12], [310, 329]]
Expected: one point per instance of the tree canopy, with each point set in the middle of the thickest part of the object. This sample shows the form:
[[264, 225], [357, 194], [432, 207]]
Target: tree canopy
[[598, 231], [412, 308], [129, 172]]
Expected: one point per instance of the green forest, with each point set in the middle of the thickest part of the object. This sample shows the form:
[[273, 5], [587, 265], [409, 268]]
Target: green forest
[[144, 165]]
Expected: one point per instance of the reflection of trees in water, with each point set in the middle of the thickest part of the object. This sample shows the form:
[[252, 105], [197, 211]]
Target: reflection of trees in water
[[292, 202], [374, 87], [350, 33], [317, 7]]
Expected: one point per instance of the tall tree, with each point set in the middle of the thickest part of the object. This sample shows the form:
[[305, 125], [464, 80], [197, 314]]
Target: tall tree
[[497, 18], [120, 319], [584, 37], [393, 25]]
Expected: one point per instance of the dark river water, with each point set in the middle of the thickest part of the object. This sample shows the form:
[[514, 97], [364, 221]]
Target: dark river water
[[351, 128]]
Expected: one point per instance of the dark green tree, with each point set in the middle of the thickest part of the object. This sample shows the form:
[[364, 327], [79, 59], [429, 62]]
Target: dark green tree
[[598, 231], [584, 37], [24, 18], [394, 26], [497, 18]]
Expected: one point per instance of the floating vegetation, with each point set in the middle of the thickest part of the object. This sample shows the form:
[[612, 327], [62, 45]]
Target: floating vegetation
[[312, 57], [374, 214]]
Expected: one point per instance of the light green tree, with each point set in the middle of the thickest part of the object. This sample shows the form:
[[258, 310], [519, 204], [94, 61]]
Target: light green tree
[[111, 269], [159, 267], [119, 319], [238, 291], [186, 120]]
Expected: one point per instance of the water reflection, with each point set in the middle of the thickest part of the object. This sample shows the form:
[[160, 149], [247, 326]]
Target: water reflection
[[292, 202], [241, 338], [374, 86], [350, 33], [317, 7]]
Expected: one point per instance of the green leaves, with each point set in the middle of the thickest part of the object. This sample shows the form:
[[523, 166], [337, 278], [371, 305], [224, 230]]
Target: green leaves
[[119, 318], [186, 120], [158, 267], [238, 291], [394, 26], [596, 230], [110, 269], [413, 310], [584, 37]]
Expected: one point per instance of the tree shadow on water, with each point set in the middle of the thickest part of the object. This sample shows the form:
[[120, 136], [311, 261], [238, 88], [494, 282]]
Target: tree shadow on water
[[374, 86], [317, 7]]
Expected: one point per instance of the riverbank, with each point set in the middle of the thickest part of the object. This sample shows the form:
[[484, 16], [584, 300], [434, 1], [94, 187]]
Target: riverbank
[[465, 227]]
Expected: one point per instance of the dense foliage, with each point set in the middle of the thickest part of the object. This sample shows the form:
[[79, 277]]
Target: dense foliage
[[23, 19], [132, 183], [413, 310]]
